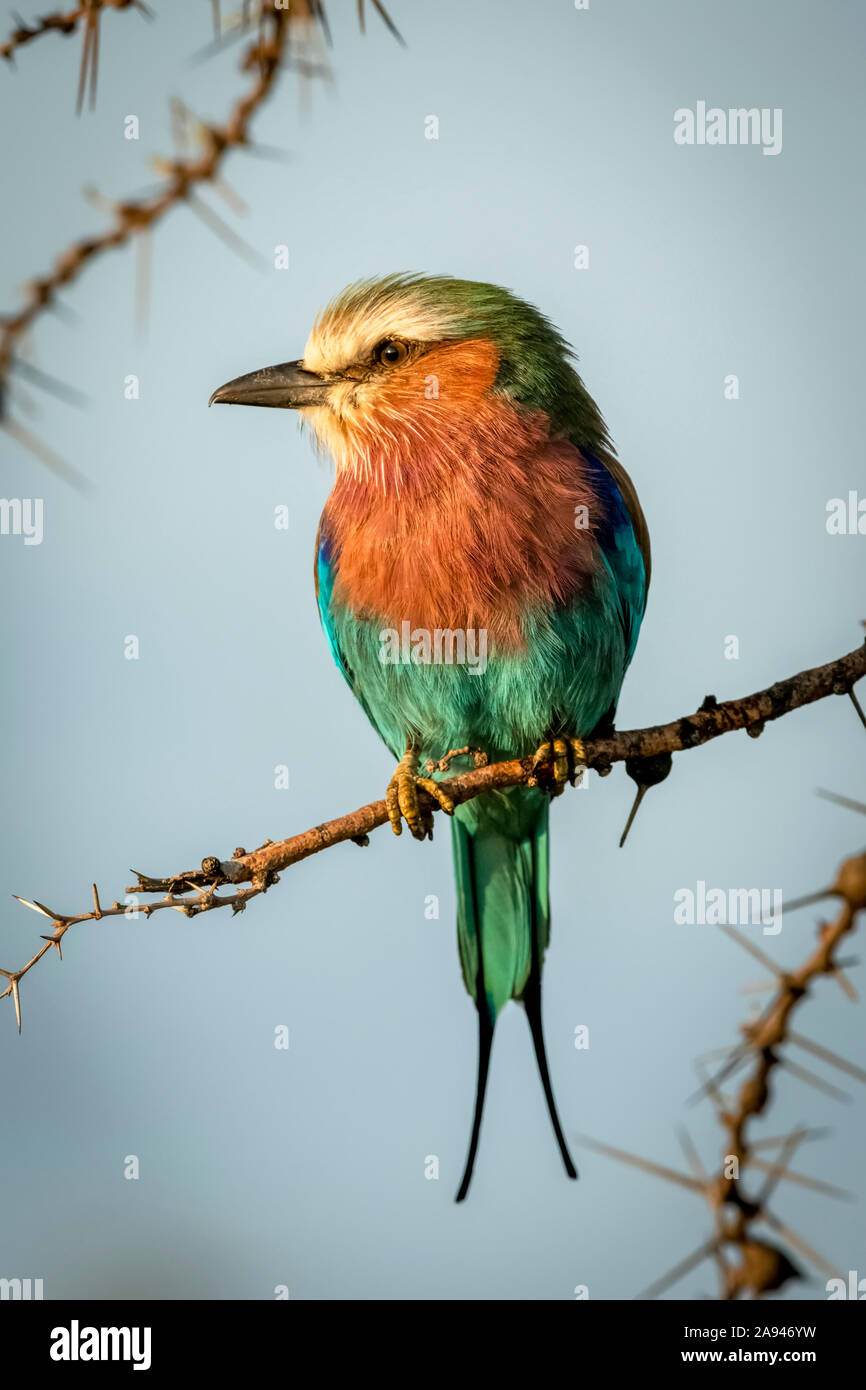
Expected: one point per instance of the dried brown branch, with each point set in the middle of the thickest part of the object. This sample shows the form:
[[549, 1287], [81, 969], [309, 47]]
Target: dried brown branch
[[133, 217], [194, 891], [754, 1266], [266, 55], [203, 900], [65, 23]]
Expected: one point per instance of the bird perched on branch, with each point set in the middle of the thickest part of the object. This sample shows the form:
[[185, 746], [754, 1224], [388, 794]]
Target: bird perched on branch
[[481, 571]]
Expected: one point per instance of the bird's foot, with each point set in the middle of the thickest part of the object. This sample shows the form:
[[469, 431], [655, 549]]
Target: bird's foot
[[410, 798], [567, 757]]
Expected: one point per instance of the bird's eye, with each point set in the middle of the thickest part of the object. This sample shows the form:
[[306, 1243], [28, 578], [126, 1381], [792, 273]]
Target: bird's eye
[[391, 353]]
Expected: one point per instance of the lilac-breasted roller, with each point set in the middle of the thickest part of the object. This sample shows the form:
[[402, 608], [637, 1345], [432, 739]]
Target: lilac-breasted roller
[[478, 507]]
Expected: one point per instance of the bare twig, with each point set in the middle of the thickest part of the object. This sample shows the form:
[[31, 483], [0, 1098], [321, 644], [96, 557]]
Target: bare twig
[[202, 901], [66, 23], [757, 1266], [194, 891], [135, 217], [266, 55]]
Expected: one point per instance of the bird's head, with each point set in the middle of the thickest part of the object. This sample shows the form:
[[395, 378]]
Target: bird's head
[[412, 365]]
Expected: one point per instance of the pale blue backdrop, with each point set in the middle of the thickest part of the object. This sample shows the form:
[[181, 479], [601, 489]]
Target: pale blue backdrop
[[261, 1167]]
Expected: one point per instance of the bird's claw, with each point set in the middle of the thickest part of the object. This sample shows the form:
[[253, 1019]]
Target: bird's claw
[[566, 755], [410, 798]]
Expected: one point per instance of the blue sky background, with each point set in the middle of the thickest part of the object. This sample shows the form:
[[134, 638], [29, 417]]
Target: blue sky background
[[306, 1168]]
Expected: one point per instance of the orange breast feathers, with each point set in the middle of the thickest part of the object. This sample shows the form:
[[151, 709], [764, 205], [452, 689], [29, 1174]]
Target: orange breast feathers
[[454, 508]]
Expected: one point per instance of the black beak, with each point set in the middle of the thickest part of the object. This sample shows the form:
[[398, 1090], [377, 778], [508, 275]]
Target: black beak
[[287, 386]]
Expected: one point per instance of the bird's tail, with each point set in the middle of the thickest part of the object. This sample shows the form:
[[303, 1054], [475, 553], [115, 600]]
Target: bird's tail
[[501, 857]]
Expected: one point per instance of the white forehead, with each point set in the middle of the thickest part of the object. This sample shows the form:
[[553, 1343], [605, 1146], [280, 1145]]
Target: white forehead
[[347, 332]]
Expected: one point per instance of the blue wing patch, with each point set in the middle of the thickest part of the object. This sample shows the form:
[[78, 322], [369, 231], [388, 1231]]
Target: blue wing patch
[[325, 570], [620, 551]]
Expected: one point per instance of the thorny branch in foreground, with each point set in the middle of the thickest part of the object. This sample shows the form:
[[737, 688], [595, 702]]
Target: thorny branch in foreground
[[136, 217], [265, 56], [196, 891], [759, 1265], [89, 12]]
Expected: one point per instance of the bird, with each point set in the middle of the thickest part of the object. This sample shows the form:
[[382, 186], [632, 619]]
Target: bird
[[481, 571]]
